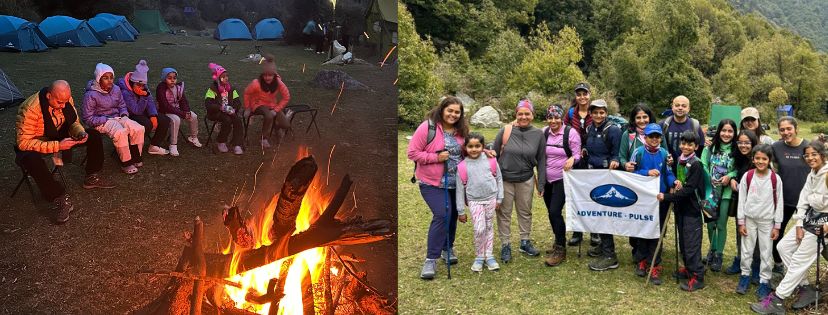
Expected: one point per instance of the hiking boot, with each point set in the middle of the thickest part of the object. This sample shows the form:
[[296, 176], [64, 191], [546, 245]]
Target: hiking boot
[[506, 253], [576, 239], [491, 264], [709, 258], [194, 141], [557, 256], [452, 259], [63, 206], [157, 150], [603, 263], [594, 239], [695, 283], [778, 268], [763, 290], [641, 268], [222, 147], [527, 248], [237, 150], [96, 181], [429, 269], [735, 267], [681, 274], [174, 150], [771, 304], [804, 297], [744, 283], [716, 264], [655, 275], [477, 265], [594, 251]]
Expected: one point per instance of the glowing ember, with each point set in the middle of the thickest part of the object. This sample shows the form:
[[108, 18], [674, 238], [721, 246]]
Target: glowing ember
[[255, 281]]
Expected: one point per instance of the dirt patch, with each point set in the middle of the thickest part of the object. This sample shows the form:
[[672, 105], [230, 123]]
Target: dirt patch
[[88, 266]]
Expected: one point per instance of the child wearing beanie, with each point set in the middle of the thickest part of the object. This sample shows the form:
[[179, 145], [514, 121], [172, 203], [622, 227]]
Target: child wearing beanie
[[267, 95], [223, 104], [141, 107], [172, 102]]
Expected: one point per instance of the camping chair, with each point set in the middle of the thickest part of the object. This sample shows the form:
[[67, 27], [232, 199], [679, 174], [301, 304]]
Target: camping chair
[[25, 179], [225, 49], [302, 108], [209, 130]]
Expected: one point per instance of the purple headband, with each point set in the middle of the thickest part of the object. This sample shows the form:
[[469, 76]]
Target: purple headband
[[525, 103]]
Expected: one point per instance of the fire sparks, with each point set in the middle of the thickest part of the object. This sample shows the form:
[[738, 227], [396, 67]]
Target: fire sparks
[[387, 55], [341, 88], [310, 263]]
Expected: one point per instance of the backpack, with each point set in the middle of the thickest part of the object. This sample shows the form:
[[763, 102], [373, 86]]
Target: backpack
[[566, 147], [749, 178], [432, 132], [665, 125], [463, 173]]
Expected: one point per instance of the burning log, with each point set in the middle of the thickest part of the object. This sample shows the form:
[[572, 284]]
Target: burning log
[[199, 267], [307, 292], [234, 222]]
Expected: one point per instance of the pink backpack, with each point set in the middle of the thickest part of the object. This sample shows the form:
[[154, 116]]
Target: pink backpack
[[464, 175]]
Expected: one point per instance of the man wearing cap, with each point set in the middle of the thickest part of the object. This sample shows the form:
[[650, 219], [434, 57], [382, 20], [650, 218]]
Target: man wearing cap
[[104, 109], [578, 117], [47, 123], [141, 107]]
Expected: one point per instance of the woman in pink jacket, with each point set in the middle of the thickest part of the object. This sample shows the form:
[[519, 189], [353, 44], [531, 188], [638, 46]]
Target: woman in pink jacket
[[437, 148], [267, 95]]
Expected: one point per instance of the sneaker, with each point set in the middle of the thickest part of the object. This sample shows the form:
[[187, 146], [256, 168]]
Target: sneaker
[[527, 248], [429, 269], [735, 267], [694, 284], [594, 239], [63, 206], [716, 264], [157, 150], [744, 283], [594, 251], [194, 141], [237, 150], [576, 239], [763, 290], [506, 253], [265, 144], [174, 150], [96, 181], [452, 259], [477, 265], [771, 304], [641, 268], [778, 268], [655, 275], [805, 296], [682, 274], [222, 147], [603, 263], [129, 169], [557, 256], [491, 264]]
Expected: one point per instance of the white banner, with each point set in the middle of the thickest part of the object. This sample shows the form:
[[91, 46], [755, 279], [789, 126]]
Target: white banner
[[612, 202]]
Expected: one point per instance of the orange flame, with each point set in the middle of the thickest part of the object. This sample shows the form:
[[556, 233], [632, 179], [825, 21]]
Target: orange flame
[[256, 280]]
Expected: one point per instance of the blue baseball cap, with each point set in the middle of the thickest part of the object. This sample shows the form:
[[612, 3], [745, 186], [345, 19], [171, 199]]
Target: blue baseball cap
[[651, 129]]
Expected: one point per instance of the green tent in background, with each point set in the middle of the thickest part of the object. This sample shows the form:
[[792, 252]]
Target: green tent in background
[[381, 24], [719, 112], [150, 22]]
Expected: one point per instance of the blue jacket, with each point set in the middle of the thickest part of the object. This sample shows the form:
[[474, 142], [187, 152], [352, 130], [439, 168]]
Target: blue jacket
[[600, 149], [99, 106], [137, 105], [646, 161]]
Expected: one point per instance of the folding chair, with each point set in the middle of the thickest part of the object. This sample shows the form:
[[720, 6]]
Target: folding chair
[[225, 49], [25, 179], [302, 108], [209, 130]]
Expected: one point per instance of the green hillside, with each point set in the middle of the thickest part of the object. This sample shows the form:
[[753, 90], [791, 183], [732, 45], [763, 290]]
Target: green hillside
[[808, 18]]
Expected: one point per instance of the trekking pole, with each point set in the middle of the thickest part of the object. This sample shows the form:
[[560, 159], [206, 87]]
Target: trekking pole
[[676, 236], [820, 239], [448, 222], [658, 247]]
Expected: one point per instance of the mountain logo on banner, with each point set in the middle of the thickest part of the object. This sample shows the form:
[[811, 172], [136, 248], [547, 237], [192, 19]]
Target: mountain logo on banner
[[612, 195]]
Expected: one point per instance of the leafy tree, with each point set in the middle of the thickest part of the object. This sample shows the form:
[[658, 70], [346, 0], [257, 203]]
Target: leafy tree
[[778, 96], [419, 86]]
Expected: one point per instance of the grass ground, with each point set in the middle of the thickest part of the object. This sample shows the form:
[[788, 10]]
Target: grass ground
[[88, 266], [527, 286]]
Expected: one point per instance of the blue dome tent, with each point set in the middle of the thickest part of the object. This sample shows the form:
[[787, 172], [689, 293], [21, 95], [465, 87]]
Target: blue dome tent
[[122, 19], [269, 29], [111, 29], [20, 35], [231, 29], [62, 30]]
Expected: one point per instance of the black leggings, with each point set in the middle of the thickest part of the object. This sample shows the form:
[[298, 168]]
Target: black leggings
[[554, 197]]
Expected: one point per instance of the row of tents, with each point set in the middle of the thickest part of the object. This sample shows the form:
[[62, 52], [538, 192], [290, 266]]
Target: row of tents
[[235, 29], [55, 31]]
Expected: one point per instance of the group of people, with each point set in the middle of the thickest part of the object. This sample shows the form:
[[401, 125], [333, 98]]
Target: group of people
[[761, 182], [123, 109], [317, 37]]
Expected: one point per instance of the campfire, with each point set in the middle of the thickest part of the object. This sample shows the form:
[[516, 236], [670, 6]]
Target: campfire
[[284, 259]]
